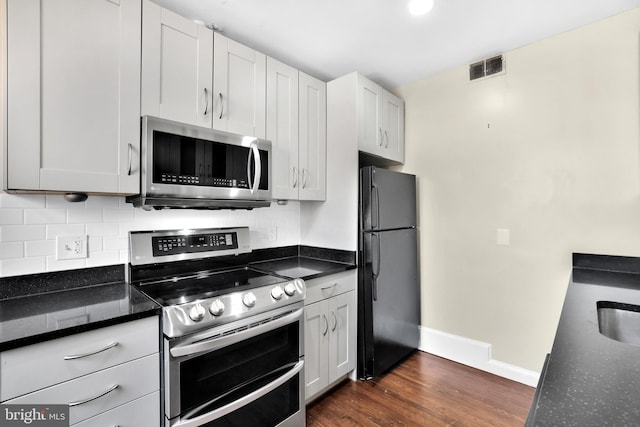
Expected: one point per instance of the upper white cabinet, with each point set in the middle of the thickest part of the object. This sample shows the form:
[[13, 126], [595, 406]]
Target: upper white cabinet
[[296, 126], [192, 75], [73, 96], [380, 116], [177, 67], [282, 128], [312, 155], [239, 88]]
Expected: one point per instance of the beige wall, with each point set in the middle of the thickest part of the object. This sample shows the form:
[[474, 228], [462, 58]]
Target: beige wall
[[551, 151]]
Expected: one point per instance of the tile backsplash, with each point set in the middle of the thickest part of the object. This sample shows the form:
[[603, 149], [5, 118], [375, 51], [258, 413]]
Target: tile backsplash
[[29, 225]]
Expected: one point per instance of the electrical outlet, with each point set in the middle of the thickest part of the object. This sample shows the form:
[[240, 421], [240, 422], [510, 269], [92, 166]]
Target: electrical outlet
[[71, 247]]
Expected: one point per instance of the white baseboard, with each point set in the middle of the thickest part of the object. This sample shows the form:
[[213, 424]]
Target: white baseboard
[[472, 353]]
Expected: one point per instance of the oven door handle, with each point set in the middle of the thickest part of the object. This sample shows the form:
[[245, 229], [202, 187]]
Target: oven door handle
[[224, 341], [245, 400]]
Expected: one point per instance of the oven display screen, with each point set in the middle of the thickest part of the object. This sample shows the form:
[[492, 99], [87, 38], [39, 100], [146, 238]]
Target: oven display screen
[[175, 245]]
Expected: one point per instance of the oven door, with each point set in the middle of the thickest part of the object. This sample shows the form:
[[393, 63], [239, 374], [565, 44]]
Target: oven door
[[247, 373]]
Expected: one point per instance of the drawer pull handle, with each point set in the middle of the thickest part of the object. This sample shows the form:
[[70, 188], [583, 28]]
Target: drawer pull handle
[[80, 402], [326, 288], [80, 356]]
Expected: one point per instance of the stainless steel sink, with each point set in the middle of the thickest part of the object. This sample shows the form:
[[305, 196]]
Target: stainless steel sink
[[620, 322]]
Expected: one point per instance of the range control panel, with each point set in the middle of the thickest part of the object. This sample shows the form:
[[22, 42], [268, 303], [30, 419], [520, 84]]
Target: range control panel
[[148, 247], [174, 245]]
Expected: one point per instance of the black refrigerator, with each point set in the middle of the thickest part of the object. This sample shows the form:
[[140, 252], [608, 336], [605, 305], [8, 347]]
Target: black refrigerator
[[388, 283]]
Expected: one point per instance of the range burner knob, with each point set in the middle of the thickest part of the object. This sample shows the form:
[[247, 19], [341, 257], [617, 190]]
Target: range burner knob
[[290, 289], [276, 293], [197, 313], [249, 299], [216, 308]]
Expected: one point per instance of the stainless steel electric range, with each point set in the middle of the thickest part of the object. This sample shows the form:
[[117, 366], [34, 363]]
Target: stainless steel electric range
[[233, 335]]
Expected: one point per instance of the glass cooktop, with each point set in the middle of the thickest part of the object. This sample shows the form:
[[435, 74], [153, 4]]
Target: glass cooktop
[[180, 290]]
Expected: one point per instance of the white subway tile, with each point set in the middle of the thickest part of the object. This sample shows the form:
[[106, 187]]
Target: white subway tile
[[57, 201], [11, 250], [27, 201], [40, 248], [117, 243], [11, 216], [45, 216], [124, 257], [19, 266], [104, 258], [102, 202], [54, 230], [19, 233], [117, 215], [95, 243], [84, 216], [102, 229], [54, 264]]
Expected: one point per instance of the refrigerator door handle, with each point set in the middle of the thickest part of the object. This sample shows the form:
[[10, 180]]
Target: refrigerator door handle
[[375, 192], [375, 270]]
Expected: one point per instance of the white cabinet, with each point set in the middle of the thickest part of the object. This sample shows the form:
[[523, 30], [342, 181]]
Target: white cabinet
[[192, 75], [97, 373], [73, 96], [330, 331], [239, 88], [312, 155], [296, 127], [380, 116], [177, 67], [282, 128]]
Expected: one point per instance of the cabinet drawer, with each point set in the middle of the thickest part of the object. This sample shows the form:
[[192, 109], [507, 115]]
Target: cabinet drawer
[[328, 286], [142, 412], [133, 379], [41, 365]]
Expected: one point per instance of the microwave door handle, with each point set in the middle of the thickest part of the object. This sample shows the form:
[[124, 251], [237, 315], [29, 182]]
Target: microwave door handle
[[258, 168]]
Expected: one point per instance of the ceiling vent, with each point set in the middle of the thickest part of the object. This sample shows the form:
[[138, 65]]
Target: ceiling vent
[[486, 67]]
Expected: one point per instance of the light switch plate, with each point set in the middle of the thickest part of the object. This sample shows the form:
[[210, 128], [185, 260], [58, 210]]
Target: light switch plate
[[503, 237]]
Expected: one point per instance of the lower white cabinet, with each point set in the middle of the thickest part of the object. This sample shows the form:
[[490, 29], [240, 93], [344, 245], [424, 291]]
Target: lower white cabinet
[[107, 376], [330, 331], [142, 412]]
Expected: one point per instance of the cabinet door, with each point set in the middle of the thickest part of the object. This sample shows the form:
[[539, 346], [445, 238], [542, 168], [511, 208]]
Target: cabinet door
[[313, 138], [316, 341], [370, 134], [393, 126], [282, 128], [177, 67], [73, 95], [239, 88], [342, 323]]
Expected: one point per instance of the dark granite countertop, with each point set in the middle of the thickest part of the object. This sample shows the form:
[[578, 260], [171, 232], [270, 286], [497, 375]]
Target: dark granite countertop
[[45, 306], [302, 267], [590, 379], [40, 307]]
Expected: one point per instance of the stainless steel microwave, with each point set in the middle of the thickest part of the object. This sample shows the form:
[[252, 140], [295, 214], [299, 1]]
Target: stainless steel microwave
[[187, 166]]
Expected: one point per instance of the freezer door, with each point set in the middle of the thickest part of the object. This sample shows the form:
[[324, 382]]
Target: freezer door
[[391, 299], [387, 199]]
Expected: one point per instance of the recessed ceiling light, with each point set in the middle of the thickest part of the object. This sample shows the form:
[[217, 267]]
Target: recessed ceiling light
[[420, 7]]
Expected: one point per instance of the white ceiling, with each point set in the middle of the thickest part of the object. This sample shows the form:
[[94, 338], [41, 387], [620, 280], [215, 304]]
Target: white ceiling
[[330, 38]]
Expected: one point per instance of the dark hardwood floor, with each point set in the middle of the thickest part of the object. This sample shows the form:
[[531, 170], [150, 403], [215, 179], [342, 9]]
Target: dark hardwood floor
[[425, 390]]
